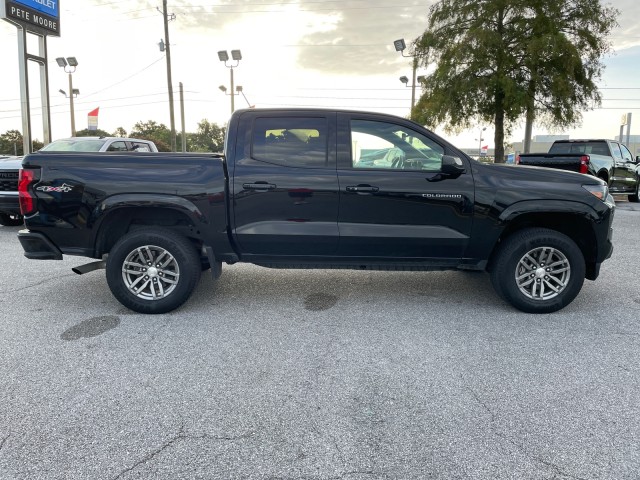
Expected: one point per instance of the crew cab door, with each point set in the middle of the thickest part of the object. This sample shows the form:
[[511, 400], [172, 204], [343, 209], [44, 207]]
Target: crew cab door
[[624, 169], [284, 185], [395, 201]]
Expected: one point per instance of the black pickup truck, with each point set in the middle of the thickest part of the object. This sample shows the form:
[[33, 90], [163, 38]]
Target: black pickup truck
[[606, 159], [316, 189]]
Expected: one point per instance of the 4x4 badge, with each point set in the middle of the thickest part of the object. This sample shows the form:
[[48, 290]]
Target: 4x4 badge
[[62, 188]]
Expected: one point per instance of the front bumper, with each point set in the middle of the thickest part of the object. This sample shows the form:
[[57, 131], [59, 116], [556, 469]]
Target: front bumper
[[38, 247], [9, 203]]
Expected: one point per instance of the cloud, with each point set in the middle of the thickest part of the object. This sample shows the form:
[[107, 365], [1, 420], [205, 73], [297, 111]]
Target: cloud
[[333, 37], [361, 41]]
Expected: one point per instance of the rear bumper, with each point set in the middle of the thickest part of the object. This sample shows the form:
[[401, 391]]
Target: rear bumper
[[38, 247]]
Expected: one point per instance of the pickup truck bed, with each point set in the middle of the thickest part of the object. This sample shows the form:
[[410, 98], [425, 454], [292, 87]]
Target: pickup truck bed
[[606, 159]]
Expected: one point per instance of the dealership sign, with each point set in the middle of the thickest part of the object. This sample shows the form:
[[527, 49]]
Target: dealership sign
[[41, 17]]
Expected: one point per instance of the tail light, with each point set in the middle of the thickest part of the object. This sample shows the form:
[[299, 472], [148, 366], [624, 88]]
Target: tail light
[[584, 164], [518, 160], [27, 201]]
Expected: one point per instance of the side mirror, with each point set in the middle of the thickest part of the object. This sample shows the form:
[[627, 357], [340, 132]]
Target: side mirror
[[638, 159], [452, 166]]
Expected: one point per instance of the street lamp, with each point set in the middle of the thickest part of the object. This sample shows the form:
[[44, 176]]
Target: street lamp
[[400, 46], [223, 56], [239, 91], [69, 65]]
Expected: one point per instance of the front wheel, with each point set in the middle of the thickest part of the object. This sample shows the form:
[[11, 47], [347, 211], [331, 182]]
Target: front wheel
[[538, 270], [153, 270]]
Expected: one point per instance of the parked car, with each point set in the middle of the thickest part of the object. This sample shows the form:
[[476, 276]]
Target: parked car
[[9, 208], [100, 144], [291, 192], [606, 159]]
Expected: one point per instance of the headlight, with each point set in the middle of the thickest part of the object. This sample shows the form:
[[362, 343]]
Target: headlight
[[600, 191]]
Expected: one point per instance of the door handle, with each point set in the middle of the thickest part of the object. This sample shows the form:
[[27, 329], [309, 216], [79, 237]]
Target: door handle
[[258, 186], [362, 189]]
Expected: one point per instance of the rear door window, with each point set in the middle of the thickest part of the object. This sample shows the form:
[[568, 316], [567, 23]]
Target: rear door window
[[290, 141], [117, 147]]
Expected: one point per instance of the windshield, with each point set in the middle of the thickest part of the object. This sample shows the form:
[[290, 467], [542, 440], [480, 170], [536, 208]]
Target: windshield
[[75, 145]]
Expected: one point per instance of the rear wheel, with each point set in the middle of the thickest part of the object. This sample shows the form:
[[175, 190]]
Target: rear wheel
[[11, 220], [153, 270], [538, 270]]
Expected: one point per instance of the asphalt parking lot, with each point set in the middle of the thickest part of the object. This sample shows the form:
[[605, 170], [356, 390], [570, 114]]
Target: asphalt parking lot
[[325, 374]]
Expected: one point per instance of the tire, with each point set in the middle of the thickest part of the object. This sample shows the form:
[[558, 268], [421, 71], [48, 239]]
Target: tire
[[11, 220], [635, 197], [547, 287], [144, 286]]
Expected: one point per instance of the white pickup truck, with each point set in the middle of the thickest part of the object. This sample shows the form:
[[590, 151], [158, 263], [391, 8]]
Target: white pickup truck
[[100, 144]]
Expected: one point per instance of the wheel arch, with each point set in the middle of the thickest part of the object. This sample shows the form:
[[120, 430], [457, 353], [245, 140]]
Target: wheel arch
[[577, 226], [122, 219]]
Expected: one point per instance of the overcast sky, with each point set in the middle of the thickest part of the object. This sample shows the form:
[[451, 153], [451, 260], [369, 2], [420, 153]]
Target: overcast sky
[[295, 53]]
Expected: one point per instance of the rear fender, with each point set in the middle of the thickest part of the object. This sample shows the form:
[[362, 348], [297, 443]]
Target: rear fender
[[113, 216], [147, 200]]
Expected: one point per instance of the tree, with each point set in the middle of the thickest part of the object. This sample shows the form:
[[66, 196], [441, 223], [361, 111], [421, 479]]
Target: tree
[[11, 143], [158, 133], [208, 138], [563, 60], [92, 133], [120, 132], [493, 62]]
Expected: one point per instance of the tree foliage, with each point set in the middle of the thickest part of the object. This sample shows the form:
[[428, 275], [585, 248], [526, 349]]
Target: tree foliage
[[208, 138], [11, 143], [158, 133], [120, 132], [498, 59], [92, 133]]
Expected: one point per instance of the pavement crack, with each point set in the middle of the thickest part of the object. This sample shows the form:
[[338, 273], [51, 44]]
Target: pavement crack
[[46, 280], [3, 441], [521, 448], [181, 435]]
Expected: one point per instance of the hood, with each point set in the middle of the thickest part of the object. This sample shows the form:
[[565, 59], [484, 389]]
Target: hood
[[539, 174], [10, 162]]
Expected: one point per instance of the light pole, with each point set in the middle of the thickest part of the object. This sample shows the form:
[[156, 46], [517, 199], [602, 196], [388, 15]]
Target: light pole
[[167, 48], [238, 91], [400, 46], [405, 80], [223, 56], [69, 65]]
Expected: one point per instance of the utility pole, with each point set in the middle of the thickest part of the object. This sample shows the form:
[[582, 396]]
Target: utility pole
[[169, 82], [184, 135]]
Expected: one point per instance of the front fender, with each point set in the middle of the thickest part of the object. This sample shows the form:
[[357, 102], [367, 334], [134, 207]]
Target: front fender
[[548, 206]]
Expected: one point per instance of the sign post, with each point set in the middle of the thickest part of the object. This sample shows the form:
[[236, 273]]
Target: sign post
[[40, 18]]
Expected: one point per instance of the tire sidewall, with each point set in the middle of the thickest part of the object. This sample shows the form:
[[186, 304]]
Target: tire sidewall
[[516, 248], [179, 247]]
